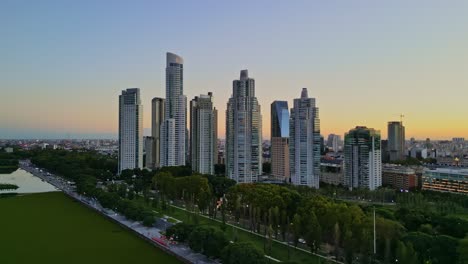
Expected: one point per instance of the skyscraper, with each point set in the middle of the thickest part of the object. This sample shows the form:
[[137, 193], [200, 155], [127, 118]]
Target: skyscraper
[[203, 135], [148, 150], [174, 127], [243, 132], [304, 142], [157, 117], [396, 140], [362, 158], [334, 142], [130, 130], [280, 140]]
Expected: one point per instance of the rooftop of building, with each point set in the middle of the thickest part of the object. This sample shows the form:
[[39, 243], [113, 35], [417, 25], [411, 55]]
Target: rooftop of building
[[450, 170]]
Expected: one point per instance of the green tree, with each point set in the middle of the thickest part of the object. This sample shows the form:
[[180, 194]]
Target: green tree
[[207, 240], [312, 232], [242, 253], [296, 228]]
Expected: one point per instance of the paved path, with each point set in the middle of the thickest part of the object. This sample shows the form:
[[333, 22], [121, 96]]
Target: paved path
[[148, 232]]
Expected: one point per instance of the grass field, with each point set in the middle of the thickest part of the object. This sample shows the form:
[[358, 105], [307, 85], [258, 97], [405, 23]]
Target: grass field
[[53, 228]]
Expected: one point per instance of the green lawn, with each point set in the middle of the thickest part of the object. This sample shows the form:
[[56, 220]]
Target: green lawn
[[279, 251], [53, 228]]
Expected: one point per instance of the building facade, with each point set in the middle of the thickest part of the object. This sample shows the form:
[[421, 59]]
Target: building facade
[[446, 180], [130, 130], [362, 158], [331, 171], [279, 150], [203, 134], [157, 118], [396, 141], [148, 150], [399, 177], [304, 142], [174, 128], [243, 147], [333, 142]]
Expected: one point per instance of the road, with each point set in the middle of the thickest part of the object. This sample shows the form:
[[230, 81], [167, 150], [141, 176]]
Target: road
[[147, 232]]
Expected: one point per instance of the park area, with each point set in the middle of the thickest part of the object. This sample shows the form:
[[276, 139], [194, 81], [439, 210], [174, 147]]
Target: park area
[[53, 228]]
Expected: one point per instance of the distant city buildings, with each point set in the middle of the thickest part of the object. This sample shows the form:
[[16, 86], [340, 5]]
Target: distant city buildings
[[157, 117], [203, 134], [396, 141], [304, 142], [446, 179], [243, 148], [334, 142], [362, 158], [279, 150], [130, 130], [174, 127]]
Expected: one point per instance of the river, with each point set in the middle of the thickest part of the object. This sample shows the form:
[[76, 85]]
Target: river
[[26, 182]]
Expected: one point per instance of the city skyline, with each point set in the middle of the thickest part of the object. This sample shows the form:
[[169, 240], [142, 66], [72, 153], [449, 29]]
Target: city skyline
[[400, 55]]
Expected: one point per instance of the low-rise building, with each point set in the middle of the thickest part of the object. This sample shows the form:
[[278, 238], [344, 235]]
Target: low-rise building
[[399, 177], [331, 171], [446, 180]]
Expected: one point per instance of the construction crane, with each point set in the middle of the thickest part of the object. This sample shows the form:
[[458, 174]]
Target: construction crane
[[401, 118]]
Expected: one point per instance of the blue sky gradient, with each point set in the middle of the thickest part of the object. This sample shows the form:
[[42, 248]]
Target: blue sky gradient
[[64, 63]]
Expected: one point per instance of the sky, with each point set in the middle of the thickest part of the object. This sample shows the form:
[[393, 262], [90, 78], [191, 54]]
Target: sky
[[64, 63]]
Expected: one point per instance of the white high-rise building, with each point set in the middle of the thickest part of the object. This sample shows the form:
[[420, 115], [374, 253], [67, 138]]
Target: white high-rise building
[[157, 118], [334, 142], [304, 142], [203, 136], [174, 128], [362, 158], [130, 130], [243, 147]]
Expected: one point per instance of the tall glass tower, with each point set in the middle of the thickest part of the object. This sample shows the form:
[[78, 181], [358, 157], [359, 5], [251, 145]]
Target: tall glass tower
[[130, 130], [304, 142], [174, 126], [280, 140], [396, 140], [157, 117], [243, 132]]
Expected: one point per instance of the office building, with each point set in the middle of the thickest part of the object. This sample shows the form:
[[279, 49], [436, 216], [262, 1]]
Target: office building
[[279, 150], [148, 150], [203, 137], [130, 130], [333, 142], [304, 142], [243, 147], [446, 180], [157, 118], [399, 177], [331, 171], [362, 158], [174, 127], [396, 140]]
